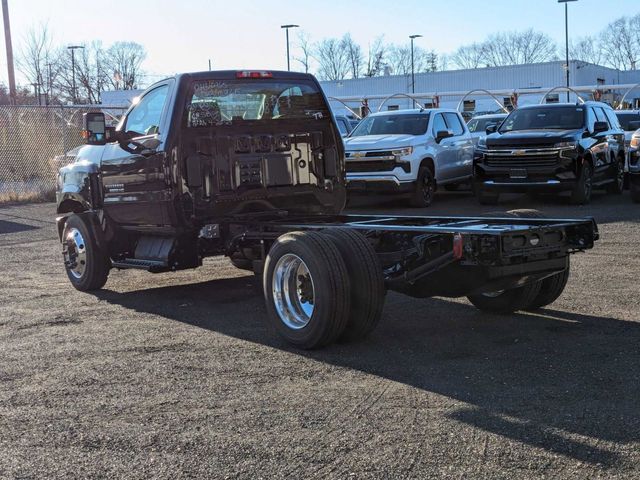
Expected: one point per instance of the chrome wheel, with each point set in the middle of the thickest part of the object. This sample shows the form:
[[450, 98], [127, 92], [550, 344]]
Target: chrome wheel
[[293, 291], [75, 253]]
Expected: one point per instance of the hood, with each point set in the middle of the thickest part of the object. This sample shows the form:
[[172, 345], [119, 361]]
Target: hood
[[522, 138], [379, 142]]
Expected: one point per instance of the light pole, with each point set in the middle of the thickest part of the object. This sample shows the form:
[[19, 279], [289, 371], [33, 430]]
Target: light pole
[[287, 27], [73, 71], [566, 38], [413, 76]]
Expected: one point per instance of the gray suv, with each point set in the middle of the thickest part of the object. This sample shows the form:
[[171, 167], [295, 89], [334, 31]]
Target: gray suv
[[409, 152]]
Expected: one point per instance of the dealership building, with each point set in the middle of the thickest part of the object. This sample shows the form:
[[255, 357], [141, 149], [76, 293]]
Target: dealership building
[[499, 87]]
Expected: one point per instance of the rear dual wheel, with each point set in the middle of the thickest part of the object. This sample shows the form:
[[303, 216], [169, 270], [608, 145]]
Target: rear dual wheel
[[321, 287]]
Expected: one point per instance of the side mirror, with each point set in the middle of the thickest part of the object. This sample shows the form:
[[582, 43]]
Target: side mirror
[[442, 134], [94, 129], [635, 125], [600, 127], [491, 128]]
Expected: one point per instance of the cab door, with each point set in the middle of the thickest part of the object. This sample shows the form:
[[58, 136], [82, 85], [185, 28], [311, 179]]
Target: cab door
[[601, 149], [461, 146], [133, 170]]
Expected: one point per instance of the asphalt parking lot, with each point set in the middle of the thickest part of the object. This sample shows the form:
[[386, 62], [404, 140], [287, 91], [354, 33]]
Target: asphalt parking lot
[[177, 375]]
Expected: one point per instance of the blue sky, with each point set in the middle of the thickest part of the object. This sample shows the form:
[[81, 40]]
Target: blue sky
[[183, 35]]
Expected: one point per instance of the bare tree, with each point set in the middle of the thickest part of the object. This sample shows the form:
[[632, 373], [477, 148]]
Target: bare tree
[[306, 50], [376, 57], [38, 60], [586, 49], [354, 55], [122, 65], [333, 61], [620, 42], [516, 48], [468, 56]]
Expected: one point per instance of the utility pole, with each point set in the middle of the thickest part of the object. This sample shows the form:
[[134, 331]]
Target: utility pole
[[413, 76], [566, 39], [287, 27], [7, 42], [73, 71], [48, 96], [209, 64]]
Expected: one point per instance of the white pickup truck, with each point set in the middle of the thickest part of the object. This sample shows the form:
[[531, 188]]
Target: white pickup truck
[[409, 152]]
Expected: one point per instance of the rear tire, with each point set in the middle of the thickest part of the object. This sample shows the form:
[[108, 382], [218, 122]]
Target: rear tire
[[366, 280], [425, 188], [87, 265], [617, 187], [306, 289], [581, 194], [507, 301]]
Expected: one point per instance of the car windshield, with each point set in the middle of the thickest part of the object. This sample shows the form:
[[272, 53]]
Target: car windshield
[[544, 118], [225, 102], [625, 120], [404, 124], [480, 124]]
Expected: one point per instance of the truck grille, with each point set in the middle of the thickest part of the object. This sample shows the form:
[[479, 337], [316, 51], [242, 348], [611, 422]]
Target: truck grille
[[522, 158], [371, 166]]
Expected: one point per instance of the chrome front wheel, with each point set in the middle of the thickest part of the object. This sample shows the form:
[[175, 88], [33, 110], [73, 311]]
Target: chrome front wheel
[[74, 252]]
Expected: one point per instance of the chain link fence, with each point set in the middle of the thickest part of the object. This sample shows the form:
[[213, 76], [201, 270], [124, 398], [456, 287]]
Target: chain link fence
[[35, 142]]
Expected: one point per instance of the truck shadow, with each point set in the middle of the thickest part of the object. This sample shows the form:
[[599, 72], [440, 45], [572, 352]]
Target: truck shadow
[[563, 382]]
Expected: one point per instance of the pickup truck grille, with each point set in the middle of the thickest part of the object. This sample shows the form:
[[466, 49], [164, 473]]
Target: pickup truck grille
[[379, 154], [371, 166], [522, 158]]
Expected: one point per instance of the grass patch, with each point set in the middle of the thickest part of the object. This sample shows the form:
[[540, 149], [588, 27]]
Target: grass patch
[[28, 197]]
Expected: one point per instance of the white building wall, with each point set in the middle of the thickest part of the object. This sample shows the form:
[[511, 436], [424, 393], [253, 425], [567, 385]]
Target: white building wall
[[541, 75]]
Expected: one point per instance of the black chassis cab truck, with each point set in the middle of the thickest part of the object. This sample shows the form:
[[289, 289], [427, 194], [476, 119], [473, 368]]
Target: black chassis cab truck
[[250, 165], [560, 147]]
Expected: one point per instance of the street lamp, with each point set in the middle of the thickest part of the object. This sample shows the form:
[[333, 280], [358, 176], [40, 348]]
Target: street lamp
[[413, 77], [73, 71], [287, 27], [566, 38]]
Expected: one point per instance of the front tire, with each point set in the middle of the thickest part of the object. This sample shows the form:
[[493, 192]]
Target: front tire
[[617, 187], [581, 194], [306, 289], [86, 263], [425, 188]]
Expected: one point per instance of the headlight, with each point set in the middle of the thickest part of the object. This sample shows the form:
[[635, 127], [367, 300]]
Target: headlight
[[635, 141], [402, 152], [482, 143], [565, 145]]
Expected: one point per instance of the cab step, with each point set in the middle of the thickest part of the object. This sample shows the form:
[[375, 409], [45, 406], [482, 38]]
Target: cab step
[[153, 266]]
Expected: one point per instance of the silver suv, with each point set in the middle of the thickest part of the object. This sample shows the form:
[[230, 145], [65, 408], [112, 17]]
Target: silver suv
[[409, 152]]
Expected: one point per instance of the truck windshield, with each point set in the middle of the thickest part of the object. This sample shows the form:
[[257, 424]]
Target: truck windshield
[[404, 124], [480, 124], [217, 102], [544, 118]]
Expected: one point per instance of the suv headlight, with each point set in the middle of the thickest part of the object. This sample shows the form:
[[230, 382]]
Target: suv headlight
[[566, 145], [402, 152], [635, 142], [482, 143]]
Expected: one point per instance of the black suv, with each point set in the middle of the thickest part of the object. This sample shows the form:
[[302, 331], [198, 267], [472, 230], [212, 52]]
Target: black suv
[[559, 147]]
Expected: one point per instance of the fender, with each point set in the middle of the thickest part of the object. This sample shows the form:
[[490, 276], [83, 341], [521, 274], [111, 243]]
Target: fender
[[79, 187]]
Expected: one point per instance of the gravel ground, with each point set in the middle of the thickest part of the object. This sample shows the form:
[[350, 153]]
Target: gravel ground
[[177, 375]]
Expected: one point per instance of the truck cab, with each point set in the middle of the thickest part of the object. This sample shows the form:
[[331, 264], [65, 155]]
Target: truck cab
[[200, 145]]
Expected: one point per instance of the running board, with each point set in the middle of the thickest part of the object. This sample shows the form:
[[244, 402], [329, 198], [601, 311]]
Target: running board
[[148, 265]]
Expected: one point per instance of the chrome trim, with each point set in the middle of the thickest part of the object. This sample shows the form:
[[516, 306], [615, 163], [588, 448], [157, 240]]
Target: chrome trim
[[524, 152], [377, 178], [548, 182]]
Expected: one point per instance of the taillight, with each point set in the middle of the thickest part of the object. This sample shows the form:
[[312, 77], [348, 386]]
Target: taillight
[[457, 246], [253, 74]]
